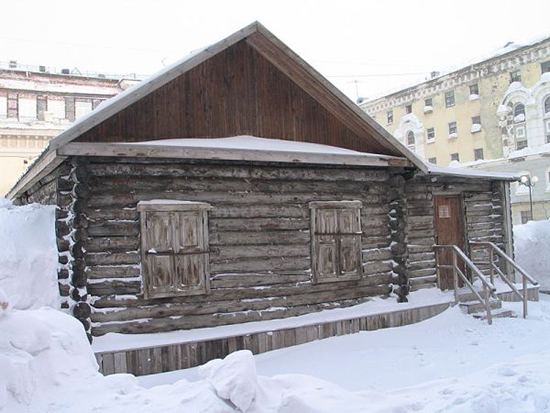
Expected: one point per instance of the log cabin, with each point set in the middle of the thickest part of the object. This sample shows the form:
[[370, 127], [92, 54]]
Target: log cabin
[[239, 185]]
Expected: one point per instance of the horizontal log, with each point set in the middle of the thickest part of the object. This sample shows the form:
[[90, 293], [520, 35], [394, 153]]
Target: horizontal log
[[260, 238], [224, 294], [135, 167], [421, 273], [255, 279], [113, 228], [116, 258], [421, 265], [112, 271], [260, 264], [421, 256], [430, 279], [111, 244], [168, 324], [376, 267], [111, 287], [377, 254], [220, 307], [257, 224], [224, 184], [224, 253]]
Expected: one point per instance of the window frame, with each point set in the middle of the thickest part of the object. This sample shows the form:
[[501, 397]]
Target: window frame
[[320, 238], [433, 160], [474, 89], [174, 207], [450, 99], [389, 117], [453, 128], [545, 67], [430, 131], [408, 109], [515, 76], [477, 153], [457, 157]]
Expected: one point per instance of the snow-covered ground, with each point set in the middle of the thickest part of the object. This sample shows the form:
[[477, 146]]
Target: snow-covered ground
[[451, 362]]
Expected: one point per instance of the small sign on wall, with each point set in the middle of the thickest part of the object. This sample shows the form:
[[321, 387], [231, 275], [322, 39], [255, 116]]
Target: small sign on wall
[[444, 211]]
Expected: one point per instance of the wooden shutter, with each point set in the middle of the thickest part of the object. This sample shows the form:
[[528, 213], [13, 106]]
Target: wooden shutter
[[336, 240], [174, 249]]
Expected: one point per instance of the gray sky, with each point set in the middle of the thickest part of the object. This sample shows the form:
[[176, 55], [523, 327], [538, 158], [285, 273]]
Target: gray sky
[[380, 44]]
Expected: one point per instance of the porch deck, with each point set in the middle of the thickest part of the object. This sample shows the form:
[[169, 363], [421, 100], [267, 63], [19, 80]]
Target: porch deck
[[142, 354]]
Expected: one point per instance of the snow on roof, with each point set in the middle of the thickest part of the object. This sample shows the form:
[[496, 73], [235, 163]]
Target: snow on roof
[[539, 150], [255, 143], [470, 173], [508, 48]]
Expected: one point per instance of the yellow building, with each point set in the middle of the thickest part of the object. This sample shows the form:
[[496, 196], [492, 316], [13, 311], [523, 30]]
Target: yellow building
[[38, 103], [493, 114], [466, 115]]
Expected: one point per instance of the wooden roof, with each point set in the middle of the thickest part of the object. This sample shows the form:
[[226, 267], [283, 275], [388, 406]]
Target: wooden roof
[[249, 83]]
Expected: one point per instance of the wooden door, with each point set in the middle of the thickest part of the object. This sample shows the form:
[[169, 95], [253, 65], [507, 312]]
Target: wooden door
[[449, 230]]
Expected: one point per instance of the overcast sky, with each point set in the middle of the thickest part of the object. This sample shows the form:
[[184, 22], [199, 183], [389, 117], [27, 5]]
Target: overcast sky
[[372, 45]]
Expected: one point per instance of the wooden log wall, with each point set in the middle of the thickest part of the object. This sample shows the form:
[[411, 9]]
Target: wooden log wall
[[258, 235], [62, 188], [484, 221]]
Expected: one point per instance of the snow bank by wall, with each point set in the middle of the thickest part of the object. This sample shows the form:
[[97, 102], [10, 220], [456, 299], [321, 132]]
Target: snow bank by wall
[[28, 255], [532, 250]]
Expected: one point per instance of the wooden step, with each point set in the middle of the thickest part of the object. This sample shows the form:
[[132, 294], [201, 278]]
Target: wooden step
[[501, 313], [471, 307]]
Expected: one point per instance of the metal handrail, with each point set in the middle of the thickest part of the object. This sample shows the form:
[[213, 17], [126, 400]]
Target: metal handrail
[[493, 267], [488, 286]]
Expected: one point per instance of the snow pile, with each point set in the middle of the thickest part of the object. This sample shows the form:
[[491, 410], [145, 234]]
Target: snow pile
[[233, 378], [532, 250], [28, 257], [476, 127], [39, 350]]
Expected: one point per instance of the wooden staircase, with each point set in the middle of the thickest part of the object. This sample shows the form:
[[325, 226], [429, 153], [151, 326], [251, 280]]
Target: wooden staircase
[[485, 303]]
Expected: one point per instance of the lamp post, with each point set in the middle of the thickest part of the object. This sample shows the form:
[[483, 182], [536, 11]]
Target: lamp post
[[530, 183]]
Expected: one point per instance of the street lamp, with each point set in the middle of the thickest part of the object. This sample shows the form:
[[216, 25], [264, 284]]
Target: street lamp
[[530, 183]]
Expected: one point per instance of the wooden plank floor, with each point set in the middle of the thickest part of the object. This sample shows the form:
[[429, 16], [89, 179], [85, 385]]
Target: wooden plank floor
[[178, 356]]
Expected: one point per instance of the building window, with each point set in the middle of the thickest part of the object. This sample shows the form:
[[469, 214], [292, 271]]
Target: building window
[[519, 113], [27, 109], [336, 240], [389, 117], [410, 138], [408, 109], [476, 124], [521, 136], [453, 130], [41, 107], [455, 157], [515, 76], [56, 108], [547, 129], [432, 160], [545, 67], [478, 154], [69, 109], [430, 135], [474, 89], [525, 216], [174, 248], [3, 107], [547, 106], [82, 107], [428, 102], [449, 99]]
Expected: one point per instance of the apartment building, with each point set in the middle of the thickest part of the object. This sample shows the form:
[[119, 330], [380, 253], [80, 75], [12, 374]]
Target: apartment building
[[493, 113], [39, 102]]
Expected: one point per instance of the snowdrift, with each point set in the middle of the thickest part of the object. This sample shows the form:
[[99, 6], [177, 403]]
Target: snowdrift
[[28, 257], [532, 250]]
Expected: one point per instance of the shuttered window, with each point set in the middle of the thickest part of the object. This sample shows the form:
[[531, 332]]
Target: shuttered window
[[336, 240], [174, 248]]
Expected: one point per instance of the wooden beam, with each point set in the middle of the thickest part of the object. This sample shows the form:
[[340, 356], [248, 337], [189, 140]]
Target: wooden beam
[[179, 152], [38, 170]]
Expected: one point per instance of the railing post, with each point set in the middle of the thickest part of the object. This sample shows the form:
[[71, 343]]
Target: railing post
[[524, 278], [492, 264], [455, 275], [487, 305]]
